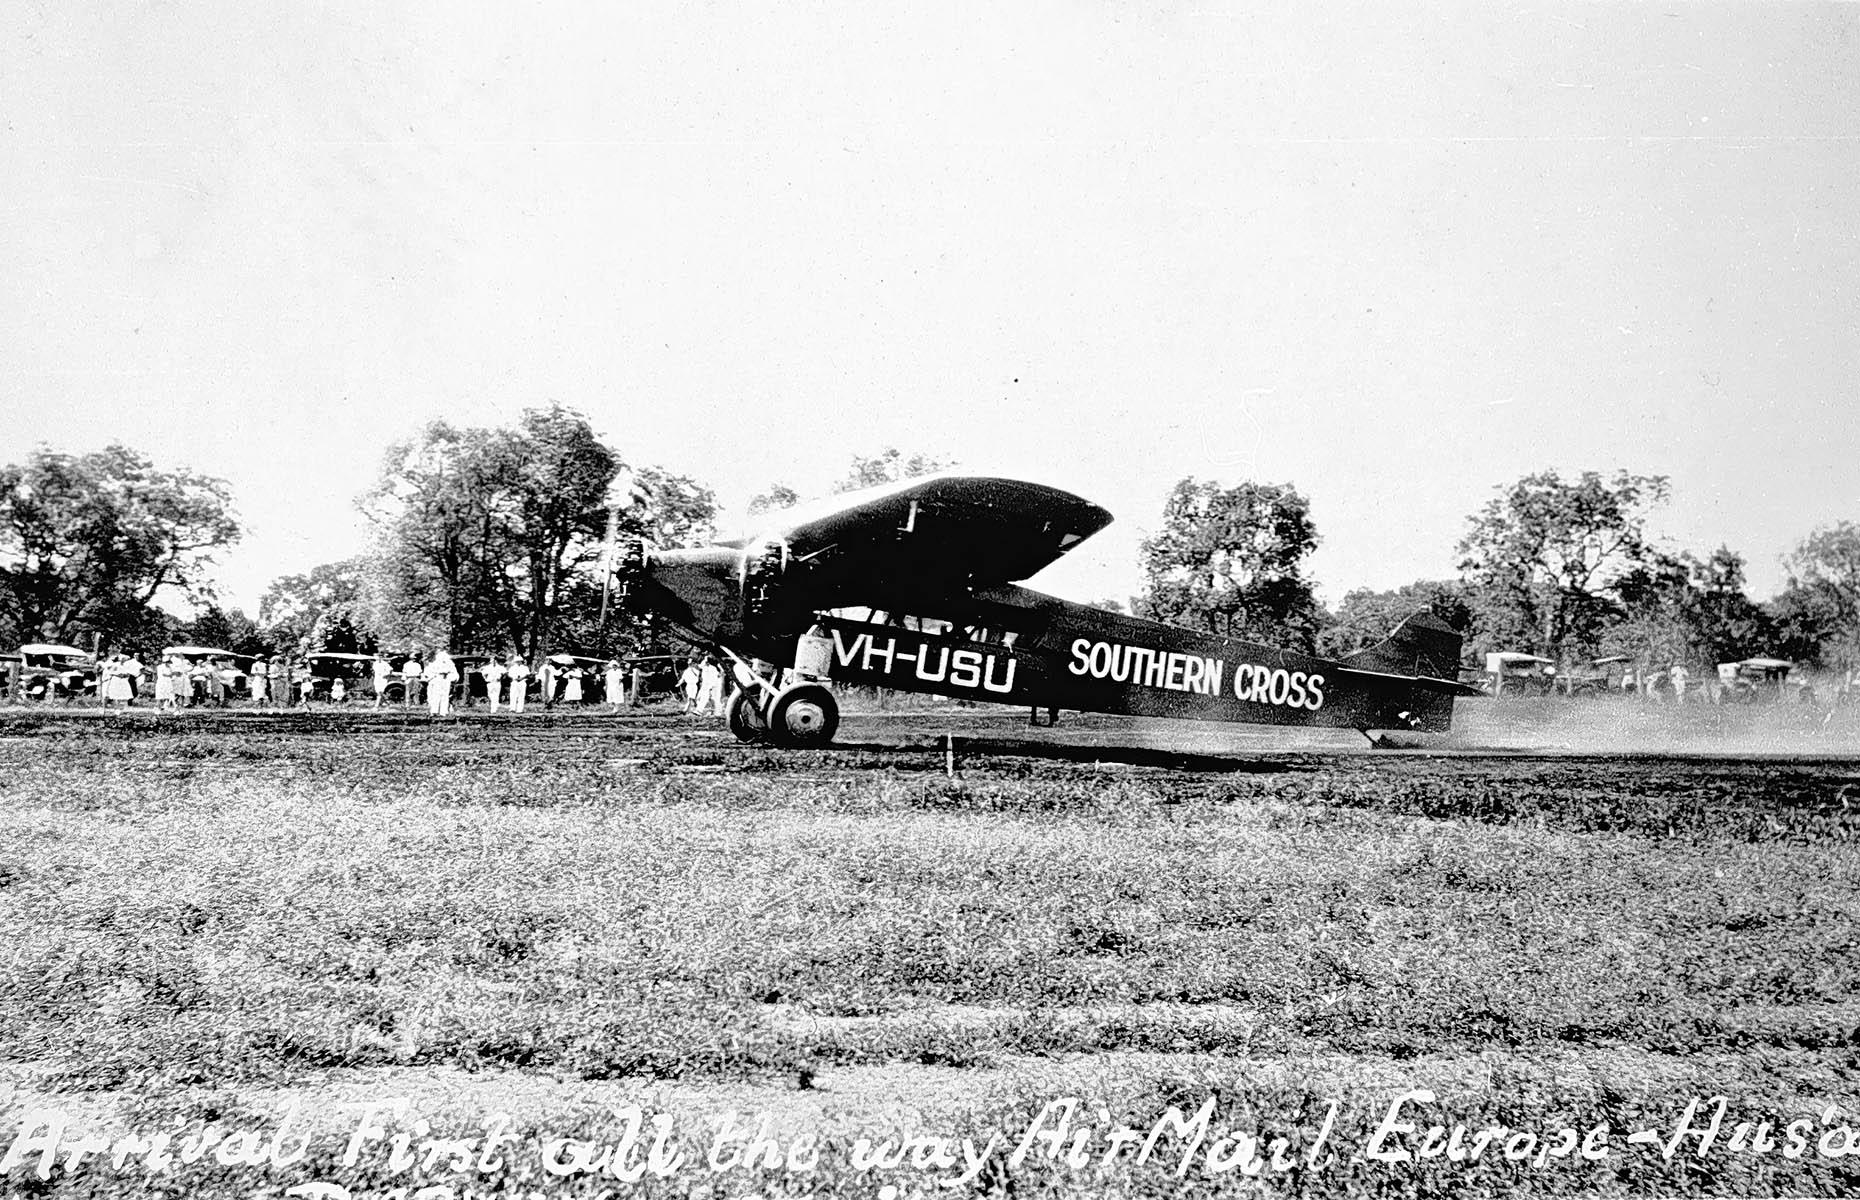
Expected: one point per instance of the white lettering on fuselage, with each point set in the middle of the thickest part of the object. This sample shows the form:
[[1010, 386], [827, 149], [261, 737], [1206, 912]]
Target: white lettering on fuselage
[[928, 663], [1276, 685], [1170, 670], [1177, 672]]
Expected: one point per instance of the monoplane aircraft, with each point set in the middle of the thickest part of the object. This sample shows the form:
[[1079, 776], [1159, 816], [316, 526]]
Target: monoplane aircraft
[[914, 586]]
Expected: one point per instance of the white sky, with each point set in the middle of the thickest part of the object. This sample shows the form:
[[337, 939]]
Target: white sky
[[1393, 255]]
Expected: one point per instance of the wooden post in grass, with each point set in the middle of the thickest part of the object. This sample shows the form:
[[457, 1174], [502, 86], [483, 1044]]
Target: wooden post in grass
[[949, 755]]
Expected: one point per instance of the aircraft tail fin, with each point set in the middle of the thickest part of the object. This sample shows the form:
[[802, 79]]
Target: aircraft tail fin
[[1423, 646]]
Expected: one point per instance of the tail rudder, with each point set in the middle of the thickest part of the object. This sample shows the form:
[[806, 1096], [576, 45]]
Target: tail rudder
[[1423, 645]]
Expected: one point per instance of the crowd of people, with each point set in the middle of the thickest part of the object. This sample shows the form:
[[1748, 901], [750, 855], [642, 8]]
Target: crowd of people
[[437, 681]]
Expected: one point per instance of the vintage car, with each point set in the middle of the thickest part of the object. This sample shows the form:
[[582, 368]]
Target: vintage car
[[1515, 673], [355, 671], [1598, 676], [234, 669], [49, 671], [471, 685], [591, 671], [1756, 679]]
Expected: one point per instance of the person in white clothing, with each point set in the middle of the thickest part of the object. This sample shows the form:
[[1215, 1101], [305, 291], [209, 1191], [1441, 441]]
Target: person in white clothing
[[688, 681], [439, 673], [710, 687], [518, 672], [410, 673], [493, 672]]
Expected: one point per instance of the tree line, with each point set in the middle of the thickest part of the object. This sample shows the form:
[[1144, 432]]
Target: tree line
[[1552, 566], [494, 539]]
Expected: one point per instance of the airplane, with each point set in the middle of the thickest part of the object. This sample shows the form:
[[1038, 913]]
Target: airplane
[[915, 586]]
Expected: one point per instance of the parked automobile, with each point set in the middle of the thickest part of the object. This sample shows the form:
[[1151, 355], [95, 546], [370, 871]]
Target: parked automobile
[[49, 671], [356, 672], [1600, 676], [234, 669], [1513, 672], [1756, 679]]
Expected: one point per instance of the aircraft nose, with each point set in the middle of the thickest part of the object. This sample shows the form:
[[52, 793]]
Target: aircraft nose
[[633, 558], [632, 563]]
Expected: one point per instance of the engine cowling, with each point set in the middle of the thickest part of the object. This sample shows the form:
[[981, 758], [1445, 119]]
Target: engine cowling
[[764, 567], [632, 560]]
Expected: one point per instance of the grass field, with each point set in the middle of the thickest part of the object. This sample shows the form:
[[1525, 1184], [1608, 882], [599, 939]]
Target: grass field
[[552, 918]]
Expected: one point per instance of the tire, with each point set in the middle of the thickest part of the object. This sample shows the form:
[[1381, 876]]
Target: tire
[[745, 717], [804, 715]]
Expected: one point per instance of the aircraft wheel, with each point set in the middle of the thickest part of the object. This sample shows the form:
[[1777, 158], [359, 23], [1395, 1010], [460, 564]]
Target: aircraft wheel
[[745, 716], [804, 715]]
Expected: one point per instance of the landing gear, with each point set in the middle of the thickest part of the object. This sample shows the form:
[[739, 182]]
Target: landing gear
[[804, 716], [746, 716]]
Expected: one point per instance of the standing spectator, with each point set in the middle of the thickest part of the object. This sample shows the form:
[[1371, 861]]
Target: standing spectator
[[439, 673], [410, 680], [519, 673], [164, 684], [571, 686], [613, 683], [216, 682], [688, 682], [710, 687], [1680, 677], [383, 671], [116, 677], [229, 682], [493, 672], [545, 682], [258, 681]]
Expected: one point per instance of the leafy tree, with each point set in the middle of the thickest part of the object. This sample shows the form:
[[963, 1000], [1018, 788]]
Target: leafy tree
[[223, 629], [1230, 560], [1816, 618], [1541, 559], [487, 537], [1807, 629], [1366, 617], [87, 541], [1681, 609], [549, 482], [888, 466], [668, 509], [1725, 623], [438, 578], [328, 608], [778, 497]]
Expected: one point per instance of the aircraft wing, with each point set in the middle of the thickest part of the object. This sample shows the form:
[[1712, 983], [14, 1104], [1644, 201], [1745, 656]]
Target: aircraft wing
[[939, 530]]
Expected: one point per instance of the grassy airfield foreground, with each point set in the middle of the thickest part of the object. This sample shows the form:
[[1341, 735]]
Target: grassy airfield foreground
[[552, 917]]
